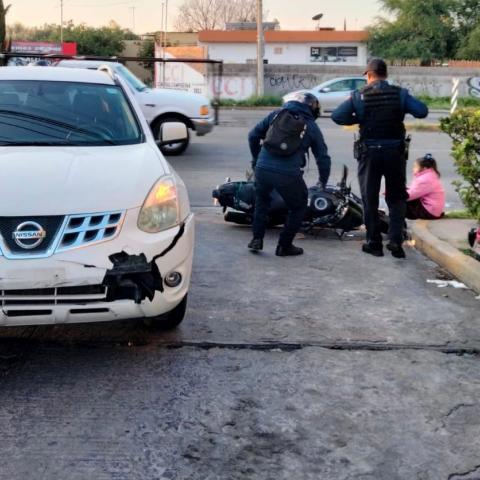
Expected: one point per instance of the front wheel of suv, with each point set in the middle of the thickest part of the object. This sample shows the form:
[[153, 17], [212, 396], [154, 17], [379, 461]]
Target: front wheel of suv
[[170, 320]]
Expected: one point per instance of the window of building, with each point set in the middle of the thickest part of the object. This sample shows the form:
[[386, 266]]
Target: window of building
[[278, 50]]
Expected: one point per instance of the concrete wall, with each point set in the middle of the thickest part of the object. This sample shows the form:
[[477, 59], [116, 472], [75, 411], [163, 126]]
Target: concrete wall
[[240, 80]]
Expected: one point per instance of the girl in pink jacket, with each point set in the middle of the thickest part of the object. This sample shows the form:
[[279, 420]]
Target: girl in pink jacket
[[426, 196]]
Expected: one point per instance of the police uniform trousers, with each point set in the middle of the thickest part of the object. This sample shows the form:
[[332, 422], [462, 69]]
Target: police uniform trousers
[[294, 193], [379, 161]]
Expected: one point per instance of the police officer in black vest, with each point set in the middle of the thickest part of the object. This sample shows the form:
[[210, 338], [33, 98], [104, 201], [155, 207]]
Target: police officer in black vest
[[380, 109], [285, 173]]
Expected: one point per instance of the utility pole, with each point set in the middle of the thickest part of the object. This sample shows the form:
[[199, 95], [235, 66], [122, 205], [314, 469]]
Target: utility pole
[[61, 21], [165, 41], [260, 48], [133, 18]]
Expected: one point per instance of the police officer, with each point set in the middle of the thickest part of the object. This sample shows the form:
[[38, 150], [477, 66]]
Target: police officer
[[380, 109], [285, 173]]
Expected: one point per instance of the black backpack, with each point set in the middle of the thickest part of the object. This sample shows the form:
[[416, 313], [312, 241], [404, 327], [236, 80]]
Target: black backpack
[[285, 134]]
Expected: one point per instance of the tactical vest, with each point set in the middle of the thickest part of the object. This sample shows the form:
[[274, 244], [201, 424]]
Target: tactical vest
[[383, 114]]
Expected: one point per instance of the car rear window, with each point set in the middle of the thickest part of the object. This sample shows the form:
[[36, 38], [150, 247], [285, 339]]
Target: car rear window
[[66, 113]]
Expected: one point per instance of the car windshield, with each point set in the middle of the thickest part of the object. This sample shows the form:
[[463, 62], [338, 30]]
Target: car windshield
[[132, 80], [37, 112]]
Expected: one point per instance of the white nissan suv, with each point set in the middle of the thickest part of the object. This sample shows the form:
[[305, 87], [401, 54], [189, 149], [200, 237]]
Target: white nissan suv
[[95, 225]]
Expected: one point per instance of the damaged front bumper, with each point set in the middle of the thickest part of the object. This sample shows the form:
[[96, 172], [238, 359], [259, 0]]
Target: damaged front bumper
[[117, 279]]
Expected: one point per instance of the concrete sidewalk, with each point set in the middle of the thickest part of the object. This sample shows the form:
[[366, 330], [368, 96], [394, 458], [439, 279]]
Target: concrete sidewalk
[[444, 241]]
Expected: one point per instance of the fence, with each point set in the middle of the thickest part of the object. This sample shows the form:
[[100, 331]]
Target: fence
[[213, 72]]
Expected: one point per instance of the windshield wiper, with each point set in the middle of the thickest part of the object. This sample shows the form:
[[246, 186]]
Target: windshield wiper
[[57, 123], [34, 143]]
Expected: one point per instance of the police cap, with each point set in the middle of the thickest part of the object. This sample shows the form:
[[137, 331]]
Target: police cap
[[378, 66]]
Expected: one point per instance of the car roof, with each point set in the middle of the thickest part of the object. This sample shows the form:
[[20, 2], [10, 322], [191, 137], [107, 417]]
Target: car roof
[[339, 79], [55, 74]]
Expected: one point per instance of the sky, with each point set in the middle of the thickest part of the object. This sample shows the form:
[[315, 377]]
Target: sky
[[292, 14]]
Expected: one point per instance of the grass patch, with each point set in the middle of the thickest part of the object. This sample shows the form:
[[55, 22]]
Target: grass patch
[[422, 127], [460, 214], [255, 101], [443, 103], [435, 103], [470, 253]]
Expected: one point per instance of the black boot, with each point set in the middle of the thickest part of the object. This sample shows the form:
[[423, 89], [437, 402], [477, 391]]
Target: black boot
[[256, 244], [291, 250], [375, 249], [396, 250]]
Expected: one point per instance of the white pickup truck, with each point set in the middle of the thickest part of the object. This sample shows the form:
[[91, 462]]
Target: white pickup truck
[[160, 105]]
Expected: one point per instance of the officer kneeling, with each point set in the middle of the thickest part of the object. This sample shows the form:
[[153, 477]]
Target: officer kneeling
[[287, 135], [380, 109]]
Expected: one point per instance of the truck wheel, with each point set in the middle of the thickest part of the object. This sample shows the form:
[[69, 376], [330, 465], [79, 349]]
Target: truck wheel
[[170, 320], [175, 148]]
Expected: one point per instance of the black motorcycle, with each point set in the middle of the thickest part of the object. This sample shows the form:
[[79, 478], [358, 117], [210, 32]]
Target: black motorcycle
[[335, 206]]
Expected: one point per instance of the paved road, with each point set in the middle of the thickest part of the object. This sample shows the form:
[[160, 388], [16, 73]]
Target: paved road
[[334, 366]]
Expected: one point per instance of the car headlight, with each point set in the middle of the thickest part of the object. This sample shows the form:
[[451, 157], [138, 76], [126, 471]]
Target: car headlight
[[165, 206], [204, 110]]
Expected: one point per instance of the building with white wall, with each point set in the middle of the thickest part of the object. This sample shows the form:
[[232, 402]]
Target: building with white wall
[[284, 47]]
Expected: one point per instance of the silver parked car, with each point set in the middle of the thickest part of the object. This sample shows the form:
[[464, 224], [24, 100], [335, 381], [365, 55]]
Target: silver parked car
[[332, 92]]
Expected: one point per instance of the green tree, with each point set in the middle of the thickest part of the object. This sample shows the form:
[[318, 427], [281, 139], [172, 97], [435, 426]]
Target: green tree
[[103, 41], [467, 14], [470, 46], [147, 49], [423, 29], [464, 127]]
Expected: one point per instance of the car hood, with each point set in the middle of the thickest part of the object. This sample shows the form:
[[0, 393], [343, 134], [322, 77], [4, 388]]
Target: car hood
[[167, 95], [68, 180]]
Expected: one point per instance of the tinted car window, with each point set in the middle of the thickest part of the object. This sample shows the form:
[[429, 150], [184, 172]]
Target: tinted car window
[[66, 113], [359, 84], [341, 86], [134, 82]]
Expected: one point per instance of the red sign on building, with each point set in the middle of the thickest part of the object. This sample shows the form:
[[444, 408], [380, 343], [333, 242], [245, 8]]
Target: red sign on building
[[26, 47]]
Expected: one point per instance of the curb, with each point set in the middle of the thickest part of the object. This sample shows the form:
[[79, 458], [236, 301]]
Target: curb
[[248, 108], [461, 266]]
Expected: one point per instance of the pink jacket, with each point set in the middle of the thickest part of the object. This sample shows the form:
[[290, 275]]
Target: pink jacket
[[427, 187]]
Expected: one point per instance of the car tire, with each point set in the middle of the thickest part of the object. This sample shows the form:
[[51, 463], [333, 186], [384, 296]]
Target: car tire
[[170, 320], [177, 148]]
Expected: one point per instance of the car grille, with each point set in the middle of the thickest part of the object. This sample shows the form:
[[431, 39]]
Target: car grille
[[61, 233], [51, 225], [54, 296], [81, 230]]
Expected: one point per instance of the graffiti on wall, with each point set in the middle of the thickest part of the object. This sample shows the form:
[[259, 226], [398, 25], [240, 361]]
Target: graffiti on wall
[[289, 83], [474, 84], [234, 88]]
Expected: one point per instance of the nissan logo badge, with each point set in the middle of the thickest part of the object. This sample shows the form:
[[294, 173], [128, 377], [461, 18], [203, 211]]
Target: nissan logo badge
[[29, 235]]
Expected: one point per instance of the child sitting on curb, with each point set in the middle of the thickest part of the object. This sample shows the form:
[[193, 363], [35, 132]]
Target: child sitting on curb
[[426, 196]]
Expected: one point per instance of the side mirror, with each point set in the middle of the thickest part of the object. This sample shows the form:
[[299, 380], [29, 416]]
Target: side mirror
[[325, 90], [172, 132]]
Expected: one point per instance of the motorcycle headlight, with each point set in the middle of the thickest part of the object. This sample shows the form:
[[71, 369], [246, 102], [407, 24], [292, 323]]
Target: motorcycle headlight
[[161, 209]]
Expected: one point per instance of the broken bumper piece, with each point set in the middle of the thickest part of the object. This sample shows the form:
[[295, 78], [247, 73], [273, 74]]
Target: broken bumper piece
[[114, 280]]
